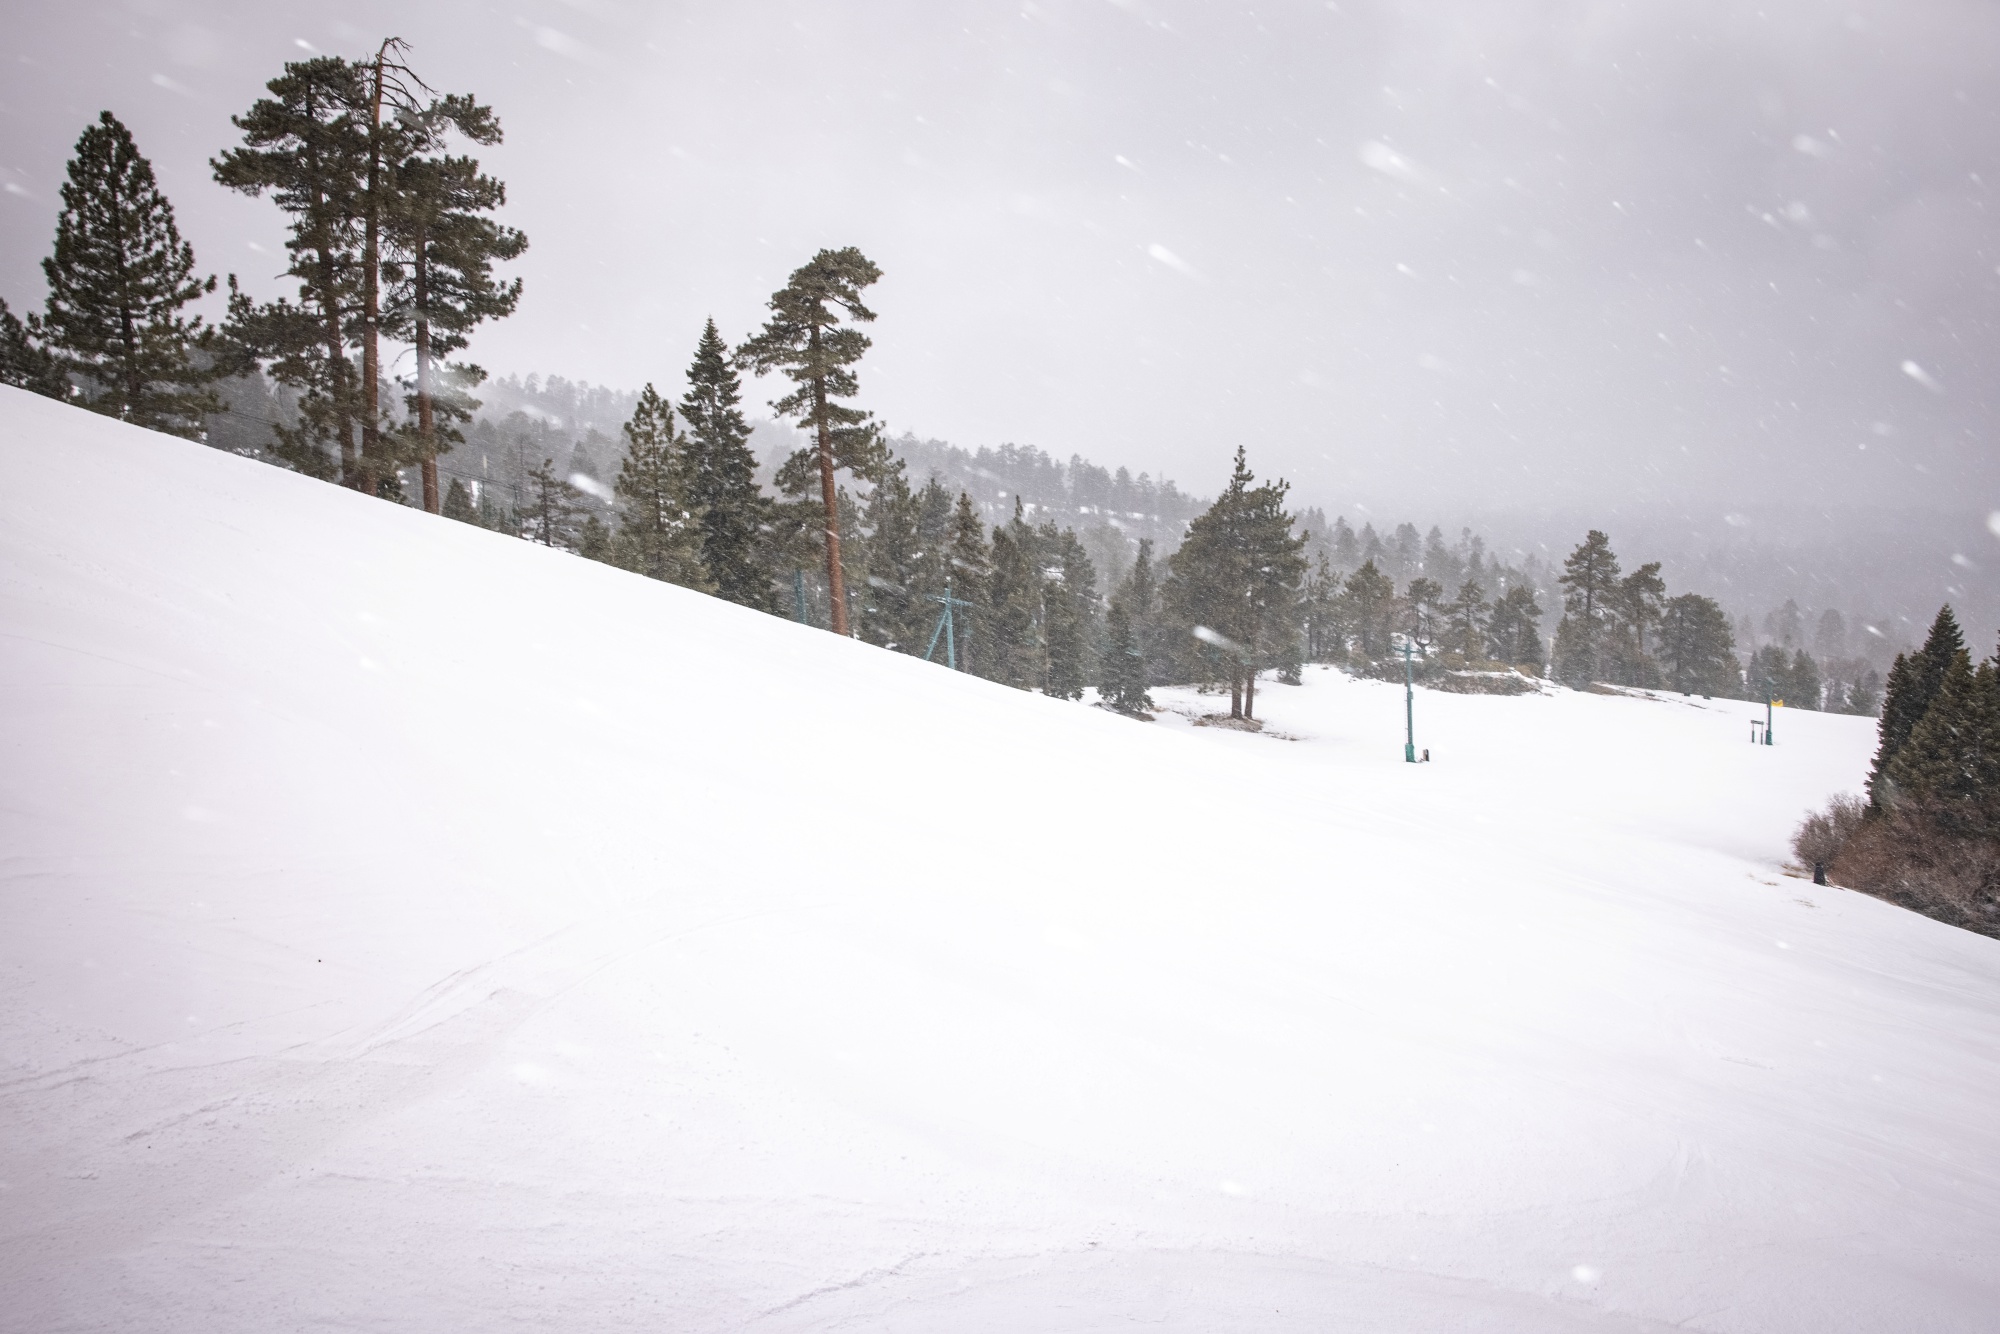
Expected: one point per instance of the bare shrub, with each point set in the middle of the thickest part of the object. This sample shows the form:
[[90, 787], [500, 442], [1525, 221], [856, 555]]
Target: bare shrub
[[1906, 858], [1821, 835]]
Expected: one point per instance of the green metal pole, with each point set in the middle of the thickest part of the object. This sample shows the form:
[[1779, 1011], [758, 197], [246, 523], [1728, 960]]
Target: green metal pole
[[950, 631], [1769, 713], [1409, 709]]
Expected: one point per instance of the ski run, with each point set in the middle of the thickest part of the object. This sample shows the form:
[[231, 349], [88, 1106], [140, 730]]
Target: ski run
[[408, 928]]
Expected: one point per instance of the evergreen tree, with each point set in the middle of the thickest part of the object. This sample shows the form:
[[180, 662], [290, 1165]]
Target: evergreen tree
[[1406, 557], [1237, 575], [1589, 578], [734, 512], [1140, 593], [659, 532], [1122, 680], [1698, 646], [1950, 765], [1636, 604], [1786, 625], [1641, 601], [806, 340], [1425, 601], [494, 516], [1275, 567], [1370, 601], [853, 551], [971, 571], [893, 612], [306, 144], [1515, 628], [441, 248], [794, 544], [1013, 601], [1069, 607], [118, 280], [1346, 547], [594, 540], [458, 504], [931, 573], [1320, 603], [1768, 673], [25, 363], [1802, 683], [1914, 680], [1864, 697], [1440, 565], [550, 515], [1468, 621]]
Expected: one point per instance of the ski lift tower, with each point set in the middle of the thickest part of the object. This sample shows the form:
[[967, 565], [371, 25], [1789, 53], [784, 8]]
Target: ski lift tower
[[946, 627], [1419, 642]]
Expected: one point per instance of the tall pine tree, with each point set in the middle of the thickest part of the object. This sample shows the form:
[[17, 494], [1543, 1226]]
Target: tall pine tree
[[1237, 575], [118, 281], [440, 248], [806, 339], [306, 145], [735, 514], [1589, 580]]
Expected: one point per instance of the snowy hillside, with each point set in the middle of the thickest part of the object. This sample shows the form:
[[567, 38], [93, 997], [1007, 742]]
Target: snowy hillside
[[409, 928]]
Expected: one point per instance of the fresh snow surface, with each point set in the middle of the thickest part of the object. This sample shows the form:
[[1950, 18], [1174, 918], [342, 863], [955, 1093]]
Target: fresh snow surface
[[408, 928]]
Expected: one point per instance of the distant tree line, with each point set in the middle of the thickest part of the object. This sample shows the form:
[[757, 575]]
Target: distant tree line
[[1062, 577], [1928, 835]]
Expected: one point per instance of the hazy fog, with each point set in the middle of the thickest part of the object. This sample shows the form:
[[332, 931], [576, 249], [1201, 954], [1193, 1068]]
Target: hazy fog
[[1440, 257]]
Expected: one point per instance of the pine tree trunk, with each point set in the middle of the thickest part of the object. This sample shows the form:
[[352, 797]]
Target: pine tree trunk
[[337, 370], [1235, 692], [128, 324], [336, 350], [1250, 692], [371, 261], [426, 420], [836, 585]]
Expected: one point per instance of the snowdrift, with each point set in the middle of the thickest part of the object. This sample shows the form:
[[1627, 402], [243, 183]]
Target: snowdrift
[[409, 928]]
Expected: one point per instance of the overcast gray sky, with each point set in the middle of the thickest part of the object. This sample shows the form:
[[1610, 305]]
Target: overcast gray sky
[[1424, 255]]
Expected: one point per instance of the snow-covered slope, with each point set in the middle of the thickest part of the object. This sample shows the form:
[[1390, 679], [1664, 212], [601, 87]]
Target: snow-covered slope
[[408, 928]]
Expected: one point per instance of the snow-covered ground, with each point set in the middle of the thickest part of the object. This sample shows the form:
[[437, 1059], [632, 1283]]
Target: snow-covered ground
[[407, 928]]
